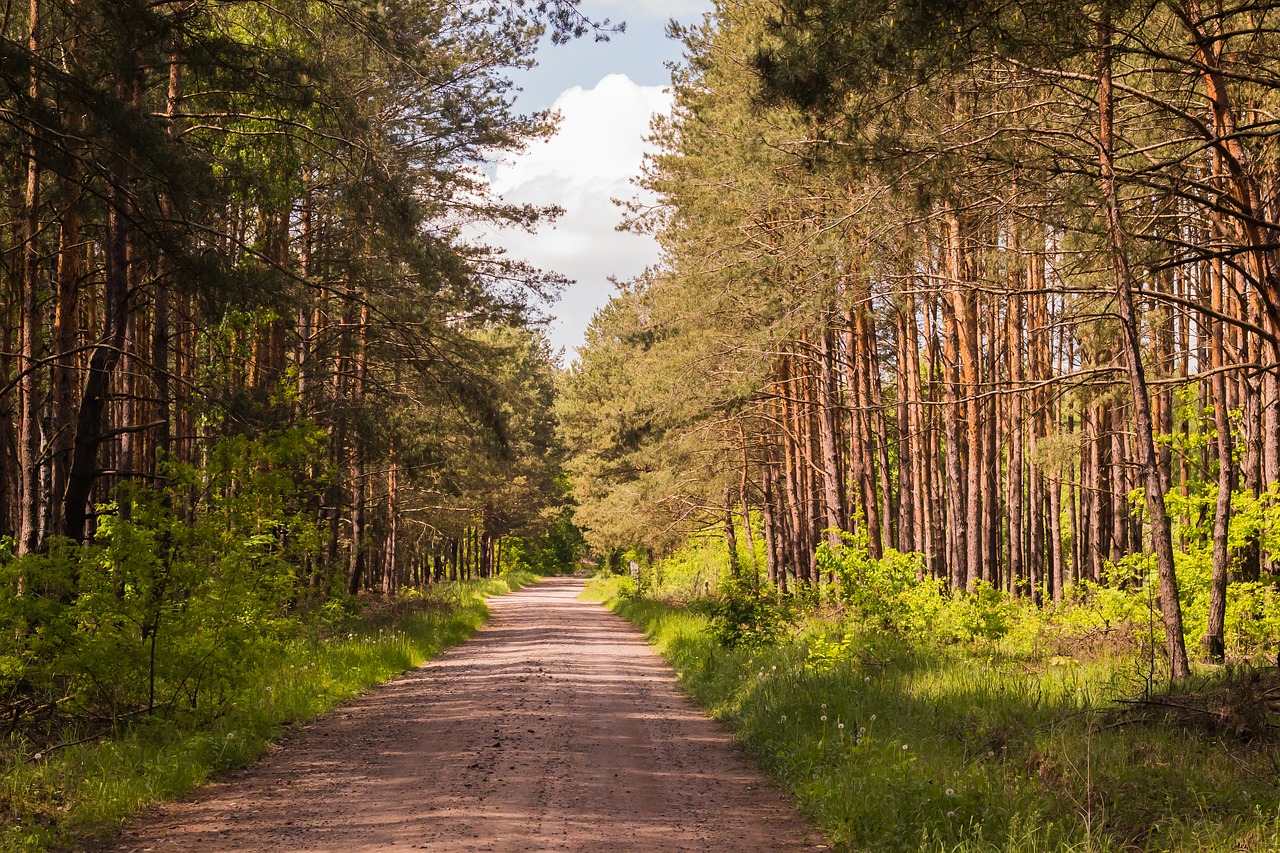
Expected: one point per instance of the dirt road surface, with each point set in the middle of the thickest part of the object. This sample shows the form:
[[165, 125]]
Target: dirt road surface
[[555, 728]]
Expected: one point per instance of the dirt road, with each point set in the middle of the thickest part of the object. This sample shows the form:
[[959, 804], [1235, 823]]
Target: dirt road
[[555, 728]]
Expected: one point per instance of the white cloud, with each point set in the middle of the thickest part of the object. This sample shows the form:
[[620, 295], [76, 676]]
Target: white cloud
[[680, 9], [591, 160]]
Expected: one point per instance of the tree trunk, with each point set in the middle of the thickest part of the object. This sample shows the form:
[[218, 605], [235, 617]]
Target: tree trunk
[[1161, 538], [1013, 491], [966, 328], [832, 475], [955, 501], [30, 500], [791, 465], [730, 536], [908, 490], [116, 298], [1214, 637], [768, 511]]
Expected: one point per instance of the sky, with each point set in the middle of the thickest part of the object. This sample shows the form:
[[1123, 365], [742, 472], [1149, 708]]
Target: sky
[[606, 93]]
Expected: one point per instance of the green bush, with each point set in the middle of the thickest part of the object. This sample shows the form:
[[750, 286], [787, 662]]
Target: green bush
[[875, 589], [746, 615], [893, 593], [172, 603]]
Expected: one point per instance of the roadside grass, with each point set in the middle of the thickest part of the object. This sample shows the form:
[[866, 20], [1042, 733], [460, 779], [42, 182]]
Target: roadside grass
[[893, 747], [85, 790]]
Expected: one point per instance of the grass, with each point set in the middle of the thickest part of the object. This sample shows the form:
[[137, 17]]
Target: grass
[[91, 789], [890, 747]]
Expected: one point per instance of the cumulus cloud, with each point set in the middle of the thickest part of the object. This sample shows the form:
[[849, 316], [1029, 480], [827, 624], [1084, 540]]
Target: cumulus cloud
[[591, 160]]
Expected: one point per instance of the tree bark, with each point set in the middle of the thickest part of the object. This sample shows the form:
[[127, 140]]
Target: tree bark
[[30, 499], [1161, 538], [1214, 636], [832, 475], [117, 296]]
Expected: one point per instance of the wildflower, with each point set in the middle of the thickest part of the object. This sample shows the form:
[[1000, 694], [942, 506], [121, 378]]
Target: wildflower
[[824, 718], [231, 735], [991, 753], [840, 726], [951, 814], [784, 718], [824, 706], [951, 792], [868, 678], [862, 730], [904, 746], [775, 666], [956, 774], [873, 718], [37, 756]]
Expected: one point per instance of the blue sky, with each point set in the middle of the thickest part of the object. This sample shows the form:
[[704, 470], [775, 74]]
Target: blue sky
[[640, 53], [606, 93]]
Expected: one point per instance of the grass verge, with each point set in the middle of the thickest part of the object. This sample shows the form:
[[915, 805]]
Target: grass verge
[[889, 747], [83, 790]]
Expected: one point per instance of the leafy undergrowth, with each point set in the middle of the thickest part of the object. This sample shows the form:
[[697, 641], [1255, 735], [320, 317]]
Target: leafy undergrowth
[[891, 746], [51, 798]]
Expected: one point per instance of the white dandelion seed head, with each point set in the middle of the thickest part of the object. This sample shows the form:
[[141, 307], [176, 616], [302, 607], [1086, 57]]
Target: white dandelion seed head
[[839, 725], [904, 746], [824, 718], [873, 718], [951, 792], [951, 814]]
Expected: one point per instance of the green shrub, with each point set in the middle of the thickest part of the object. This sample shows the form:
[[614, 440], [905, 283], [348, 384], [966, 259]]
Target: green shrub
[[173, 602], [875, 589], [746, 615]]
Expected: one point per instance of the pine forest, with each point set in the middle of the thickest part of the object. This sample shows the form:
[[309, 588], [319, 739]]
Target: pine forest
[[952, 400]]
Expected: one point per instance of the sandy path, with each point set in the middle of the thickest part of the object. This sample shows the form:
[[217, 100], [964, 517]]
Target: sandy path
[[554, 728]]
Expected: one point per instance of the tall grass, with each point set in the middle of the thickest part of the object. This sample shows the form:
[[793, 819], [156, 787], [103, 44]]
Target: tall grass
[[895, 747], [53, 798]]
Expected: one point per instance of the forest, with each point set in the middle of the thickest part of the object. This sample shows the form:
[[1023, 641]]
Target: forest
[[256, 361], [957, 379], [992, 286], [950, 412]]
